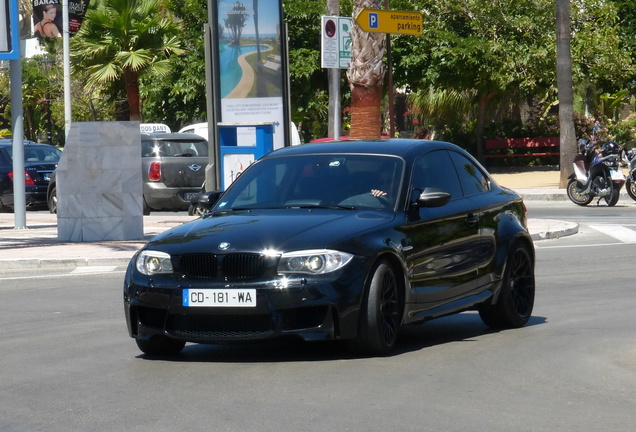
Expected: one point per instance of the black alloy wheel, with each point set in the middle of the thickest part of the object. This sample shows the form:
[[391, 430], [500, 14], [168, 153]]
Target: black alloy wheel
[[516, 299], [381, 313]]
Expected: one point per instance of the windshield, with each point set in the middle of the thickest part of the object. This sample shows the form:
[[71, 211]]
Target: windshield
[[347, 181], [194, 147]]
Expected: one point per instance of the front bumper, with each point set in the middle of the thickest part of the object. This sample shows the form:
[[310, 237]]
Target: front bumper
[[309, 309]]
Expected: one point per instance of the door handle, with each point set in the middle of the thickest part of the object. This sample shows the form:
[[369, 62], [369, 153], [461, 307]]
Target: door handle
[[472, 219]]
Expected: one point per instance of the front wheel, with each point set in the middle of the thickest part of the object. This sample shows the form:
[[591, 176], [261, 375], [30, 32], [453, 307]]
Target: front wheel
[[576, 194], [631, 188], [381, 312], [516, 298]]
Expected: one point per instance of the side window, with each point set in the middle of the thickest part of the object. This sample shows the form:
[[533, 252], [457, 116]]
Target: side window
[[435, 169], [473, 179]]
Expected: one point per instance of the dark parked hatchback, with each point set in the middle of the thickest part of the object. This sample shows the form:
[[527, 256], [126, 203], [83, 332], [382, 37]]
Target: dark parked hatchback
[[40, 160], [341, 240]]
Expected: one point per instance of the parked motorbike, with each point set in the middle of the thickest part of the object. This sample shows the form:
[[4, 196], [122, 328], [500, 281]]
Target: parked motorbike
[[596, 174], [630, 183]]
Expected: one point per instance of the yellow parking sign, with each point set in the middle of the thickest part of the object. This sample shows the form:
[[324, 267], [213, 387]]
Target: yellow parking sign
[[390, 21]]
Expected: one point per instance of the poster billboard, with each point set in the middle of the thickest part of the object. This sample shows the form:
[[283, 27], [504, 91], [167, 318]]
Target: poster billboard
[[251, 64], [47, 17]]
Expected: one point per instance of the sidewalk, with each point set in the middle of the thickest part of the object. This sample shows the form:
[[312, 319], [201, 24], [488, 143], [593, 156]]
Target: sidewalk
[[37, 246]]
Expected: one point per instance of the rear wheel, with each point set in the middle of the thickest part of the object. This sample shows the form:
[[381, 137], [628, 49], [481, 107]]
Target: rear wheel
[[516, 298], [612, 198], [381, 312], [53, 200], [576, 195], [160, 345], [631, 188]]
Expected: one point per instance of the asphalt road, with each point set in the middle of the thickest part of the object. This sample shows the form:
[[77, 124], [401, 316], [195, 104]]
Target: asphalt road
[[67, 362]]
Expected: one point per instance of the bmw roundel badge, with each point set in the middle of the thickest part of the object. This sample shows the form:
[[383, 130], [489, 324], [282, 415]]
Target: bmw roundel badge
[[224, 245]]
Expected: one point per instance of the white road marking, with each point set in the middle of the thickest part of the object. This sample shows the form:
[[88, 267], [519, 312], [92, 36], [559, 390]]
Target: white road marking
[[619, 232], [94, 269]]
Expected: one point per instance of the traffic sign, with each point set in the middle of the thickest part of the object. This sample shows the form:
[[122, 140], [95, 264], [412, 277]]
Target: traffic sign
[[335, 42], [390, 21]]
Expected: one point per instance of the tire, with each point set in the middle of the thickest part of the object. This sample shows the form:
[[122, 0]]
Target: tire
[[160, 345], [631, 188], [573, 190], [516, 297], [381, 312], [612, 198], [52, 201], [196, 210], [146, 209]]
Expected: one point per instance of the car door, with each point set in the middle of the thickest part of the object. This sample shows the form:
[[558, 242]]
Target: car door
[[488, 208], [440, 242]]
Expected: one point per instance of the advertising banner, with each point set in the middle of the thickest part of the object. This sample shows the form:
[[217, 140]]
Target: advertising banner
[[250, 63], [47, 17]]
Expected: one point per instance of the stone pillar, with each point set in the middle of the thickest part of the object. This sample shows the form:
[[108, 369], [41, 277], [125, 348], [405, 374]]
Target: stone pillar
[[99, 184]]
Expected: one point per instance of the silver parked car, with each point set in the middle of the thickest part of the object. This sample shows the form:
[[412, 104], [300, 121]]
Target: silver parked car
[[173, 169]]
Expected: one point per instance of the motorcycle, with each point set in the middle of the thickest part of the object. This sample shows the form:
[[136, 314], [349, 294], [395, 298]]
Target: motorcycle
[[596, 174], [630, 183]]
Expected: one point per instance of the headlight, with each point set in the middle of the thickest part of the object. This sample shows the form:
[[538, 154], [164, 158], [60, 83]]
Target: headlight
[[313, 262], [151, 262]]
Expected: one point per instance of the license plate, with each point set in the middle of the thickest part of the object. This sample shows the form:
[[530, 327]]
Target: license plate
[[190, 195], [617, 175], [219, 297]]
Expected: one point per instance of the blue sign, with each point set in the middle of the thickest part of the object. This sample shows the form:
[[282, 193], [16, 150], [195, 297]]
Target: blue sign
[[9, 31], [373, 20]]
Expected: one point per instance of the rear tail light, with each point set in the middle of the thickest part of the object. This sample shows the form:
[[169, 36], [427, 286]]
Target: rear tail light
[[27, 178], [154, 172]]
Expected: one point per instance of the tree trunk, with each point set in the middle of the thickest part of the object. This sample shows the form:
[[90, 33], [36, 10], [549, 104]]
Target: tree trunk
[[131, 80], [484, 103], [564, 84], [366, 76]]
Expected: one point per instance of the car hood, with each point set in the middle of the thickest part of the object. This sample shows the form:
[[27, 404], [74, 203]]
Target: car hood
[[258, 230]]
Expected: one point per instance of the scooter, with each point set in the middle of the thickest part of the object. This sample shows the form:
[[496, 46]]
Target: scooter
[[596, 174], [630, 183]]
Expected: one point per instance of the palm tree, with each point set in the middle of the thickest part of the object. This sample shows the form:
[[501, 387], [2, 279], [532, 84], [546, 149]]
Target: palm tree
[[564, 83], [123, 40], [366, 76]]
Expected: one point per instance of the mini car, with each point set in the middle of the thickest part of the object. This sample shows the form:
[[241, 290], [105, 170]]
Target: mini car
[[342, 240], [40, 161]]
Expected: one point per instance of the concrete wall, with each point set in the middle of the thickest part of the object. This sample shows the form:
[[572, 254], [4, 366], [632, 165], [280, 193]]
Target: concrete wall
[[99, 184]]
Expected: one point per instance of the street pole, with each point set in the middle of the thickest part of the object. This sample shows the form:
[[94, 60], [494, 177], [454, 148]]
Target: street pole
[[19, 190], [67, 69]]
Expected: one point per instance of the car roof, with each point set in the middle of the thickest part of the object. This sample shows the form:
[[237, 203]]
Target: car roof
[[173, 136], [393, 147]]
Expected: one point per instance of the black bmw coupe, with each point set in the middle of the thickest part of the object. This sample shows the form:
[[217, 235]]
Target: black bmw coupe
[[338, 240]]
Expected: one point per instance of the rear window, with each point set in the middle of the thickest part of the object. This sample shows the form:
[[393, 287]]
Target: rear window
[[174, 148], [38, 154]]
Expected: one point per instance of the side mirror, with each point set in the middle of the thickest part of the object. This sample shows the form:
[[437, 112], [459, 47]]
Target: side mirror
[[433, 197], [212, 198]]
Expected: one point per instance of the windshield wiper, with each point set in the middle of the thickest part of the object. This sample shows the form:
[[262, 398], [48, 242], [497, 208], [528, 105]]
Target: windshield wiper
[[323, 206]]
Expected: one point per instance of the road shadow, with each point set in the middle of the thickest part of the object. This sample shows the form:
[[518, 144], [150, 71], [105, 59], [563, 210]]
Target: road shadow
[[463, 327]]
